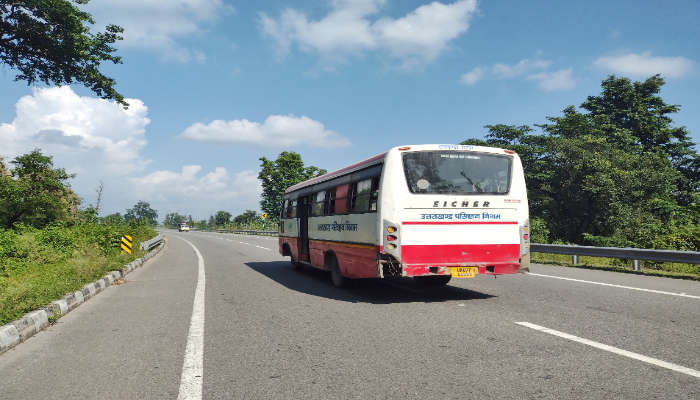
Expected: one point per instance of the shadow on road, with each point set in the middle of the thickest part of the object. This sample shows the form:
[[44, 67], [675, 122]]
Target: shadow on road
[[316, 282]]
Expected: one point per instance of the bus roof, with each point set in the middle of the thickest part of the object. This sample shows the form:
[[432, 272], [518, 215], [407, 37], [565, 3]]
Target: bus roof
[[354, 167], [379, 158]]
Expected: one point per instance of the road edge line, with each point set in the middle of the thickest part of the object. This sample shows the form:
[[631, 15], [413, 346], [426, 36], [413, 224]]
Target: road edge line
[[192, 375]]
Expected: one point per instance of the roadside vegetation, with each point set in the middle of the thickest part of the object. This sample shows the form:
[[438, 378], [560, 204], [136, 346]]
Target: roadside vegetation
[[49, 245], [615, 172]]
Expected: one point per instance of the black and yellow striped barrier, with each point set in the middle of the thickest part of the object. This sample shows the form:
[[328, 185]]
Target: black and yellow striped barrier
[[126, 244]]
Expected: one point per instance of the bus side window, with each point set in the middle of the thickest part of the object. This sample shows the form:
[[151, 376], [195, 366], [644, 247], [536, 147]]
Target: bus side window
[[329, 208], [283, 214], [352, 194], [319, 203], [292, 212], [361, 197], [375, 194]]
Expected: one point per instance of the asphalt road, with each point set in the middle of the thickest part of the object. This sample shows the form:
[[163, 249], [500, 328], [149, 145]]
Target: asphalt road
[[272, 332]]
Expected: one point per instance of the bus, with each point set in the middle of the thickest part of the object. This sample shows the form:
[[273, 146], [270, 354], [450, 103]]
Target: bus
[[429, 212]]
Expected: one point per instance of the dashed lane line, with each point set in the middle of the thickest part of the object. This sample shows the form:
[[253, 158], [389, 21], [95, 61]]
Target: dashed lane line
[[617, 286], [615, 350]]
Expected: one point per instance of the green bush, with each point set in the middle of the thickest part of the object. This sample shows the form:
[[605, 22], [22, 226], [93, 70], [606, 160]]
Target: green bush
[[38, 266], [58, 237]]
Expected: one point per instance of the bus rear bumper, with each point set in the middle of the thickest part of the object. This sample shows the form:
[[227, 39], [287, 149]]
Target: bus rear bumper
[[484, 269]]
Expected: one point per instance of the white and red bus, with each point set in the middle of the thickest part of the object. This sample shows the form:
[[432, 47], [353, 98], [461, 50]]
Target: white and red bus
[[431, 212]]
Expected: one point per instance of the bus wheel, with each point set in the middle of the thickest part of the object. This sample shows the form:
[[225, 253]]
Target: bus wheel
[[297, 265], [336, 277], [434, 280]]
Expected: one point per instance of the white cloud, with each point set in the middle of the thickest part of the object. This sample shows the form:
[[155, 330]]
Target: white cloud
[[473, 76], [645, 65], [347, 30], [98, 140], [546, 80], [158, 25], [188, 191], [276, 131], [84, 132], [555, 80], [522, 67]]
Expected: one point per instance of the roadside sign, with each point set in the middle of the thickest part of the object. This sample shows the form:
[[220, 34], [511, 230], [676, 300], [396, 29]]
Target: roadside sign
[[263, 215], [126, 244]]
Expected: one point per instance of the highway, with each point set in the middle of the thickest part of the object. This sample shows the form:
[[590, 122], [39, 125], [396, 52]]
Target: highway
[[245, 325]]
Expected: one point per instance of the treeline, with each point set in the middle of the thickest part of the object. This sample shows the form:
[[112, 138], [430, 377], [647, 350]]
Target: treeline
[[49, 245], [41, 220], [615, 172], [224, 220]]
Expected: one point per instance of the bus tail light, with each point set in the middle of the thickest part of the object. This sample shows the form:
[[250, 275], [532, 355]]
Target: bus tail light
[[525, 238], [390, 238], [391, 229], [391, 246]]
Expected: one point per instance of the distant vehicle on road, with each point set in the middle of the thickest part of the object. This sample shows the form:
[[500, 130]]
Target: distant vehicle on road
[[431, 212], [184, 227]]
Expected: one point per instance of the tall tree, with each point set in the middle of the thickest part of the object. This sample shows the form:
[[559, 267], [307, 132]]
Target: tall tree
[[247, 217], [173, 220], [142, 212], [51, 42], [36, 193], [222, 218], [617, 173], [276, 176], [637, 118]]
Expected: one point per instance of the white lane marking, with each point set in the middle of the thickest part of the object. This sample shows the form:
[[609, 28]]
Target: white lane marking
[[264, 248], [625, 353], [618, 286], [193, 365]]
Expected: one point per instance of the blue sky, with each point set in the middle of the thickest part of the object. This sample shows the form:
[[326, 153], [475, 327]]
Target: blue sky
[[217, 84]]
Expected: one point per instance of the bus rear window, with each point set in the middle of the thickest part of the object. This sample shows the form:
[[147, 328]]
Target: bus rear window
[[457, 172]]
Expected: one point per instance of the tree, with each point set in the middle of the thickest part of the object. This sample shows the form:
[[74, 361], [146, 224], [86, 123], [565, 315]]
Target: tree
[[639, 120], [113, 219], [618, 174], [36, 193], [276, 176], [142, 212], [246, 218], [173, 220], [222, 218], [3, 168], [51, 42]]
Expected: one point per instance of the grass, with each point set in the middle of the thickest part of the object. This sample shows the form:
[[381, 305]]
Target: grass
[[668, 270], [34, 272]]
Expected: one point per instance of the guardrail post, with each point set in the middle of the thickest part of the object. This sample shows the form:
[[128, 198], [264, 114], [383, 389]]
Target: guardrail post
[[574, 259], [635, 264]]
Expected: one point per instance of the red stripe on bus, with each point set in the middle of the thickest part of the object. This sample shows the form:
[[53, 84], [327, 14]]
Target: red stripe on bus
[[460, 253], [459, 223]]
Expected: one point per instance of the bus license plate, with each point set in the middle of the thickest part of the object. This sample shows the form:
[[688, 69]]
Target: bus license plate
[[464, 272]]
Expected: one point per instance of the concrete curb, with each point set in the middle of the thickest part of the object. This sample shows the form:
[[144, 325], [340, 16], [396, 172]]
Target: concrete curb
[[31, 323]]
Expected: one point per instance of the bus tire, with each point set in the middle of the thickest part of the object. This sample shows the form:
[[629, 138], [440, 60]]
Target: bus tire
[[434, 280], [296, 264], [337, 278]]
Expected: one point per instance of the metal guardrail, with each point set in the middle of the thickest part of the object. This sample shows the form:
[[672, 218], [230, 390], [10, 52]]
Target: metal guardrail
[[150, 244], [627, 253]]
